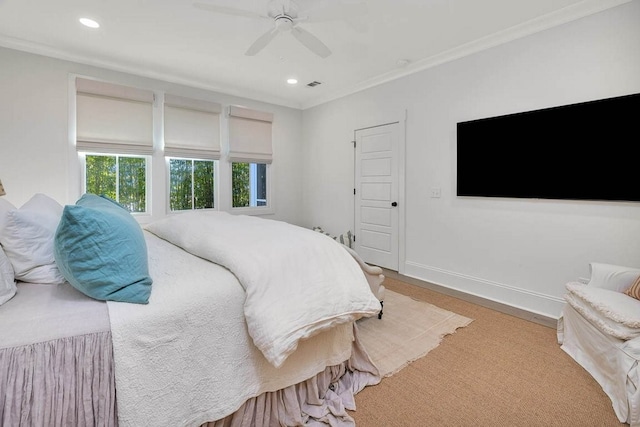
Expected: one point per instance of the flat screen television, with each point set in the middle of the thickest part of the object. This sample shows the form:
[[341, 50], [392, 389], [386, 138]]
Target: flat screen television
[[584, 151]]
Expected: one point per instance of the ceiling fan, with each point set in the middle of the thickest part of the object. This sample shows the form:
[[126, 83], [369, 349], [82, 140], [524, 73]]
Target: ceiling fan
[[285, 17]]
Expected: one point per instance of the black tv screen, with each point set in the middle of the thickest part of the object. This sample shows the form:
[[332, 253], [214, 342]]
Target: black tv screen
[[584, 151]]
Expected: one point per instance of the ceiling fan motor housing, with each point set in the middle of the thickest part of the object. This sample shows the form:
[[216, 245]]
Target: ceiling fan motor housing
[[284, 22]]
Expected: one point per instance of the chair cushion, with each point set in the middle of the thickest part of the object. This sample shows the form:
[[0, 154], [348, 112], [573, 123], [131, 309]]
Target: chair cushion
[[614, 313], [634, 290]]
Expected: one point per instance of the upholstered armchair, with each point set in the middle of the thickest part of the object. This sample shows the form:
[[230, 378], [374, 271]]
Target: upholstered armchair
[[600, 329]]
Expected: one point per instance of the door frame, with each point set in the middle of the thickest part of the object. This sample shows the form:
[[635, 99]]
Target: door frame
[[401, 119]]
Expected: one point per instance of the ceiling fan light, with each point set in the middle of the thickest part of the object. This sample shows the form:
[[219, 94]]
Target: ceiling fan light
[[292, 81]]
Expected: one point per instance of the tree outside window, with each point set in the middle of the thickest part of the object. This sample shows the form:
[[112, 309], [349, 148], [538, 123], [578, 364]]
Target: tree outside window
[[121, 178], [191, 184], [249, 184]]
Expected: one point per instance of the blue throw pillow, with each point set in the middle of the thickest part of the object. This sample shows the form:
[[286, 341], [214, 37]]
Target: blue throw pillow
[[100, 249]]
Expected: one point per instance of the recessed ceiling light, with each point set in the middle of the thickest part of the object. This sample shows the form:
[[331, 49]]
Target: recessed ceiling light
[[292, 81], [89, 23]]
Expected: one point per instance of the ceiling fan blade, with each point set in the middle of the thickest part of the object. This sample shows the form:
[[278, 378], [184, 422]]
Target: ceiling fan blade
[[335, 11], [262, 42], [311, 42], [354, 14], [229, 11]]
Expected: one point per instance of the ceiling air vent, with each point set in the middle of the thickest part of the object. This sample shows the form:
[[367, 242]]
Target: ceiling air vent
[[313, 83]]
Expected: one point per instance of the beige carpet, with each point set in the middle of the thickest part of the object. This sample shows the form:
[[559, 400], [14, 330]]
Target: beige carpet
[[500, 371], [408, 330]]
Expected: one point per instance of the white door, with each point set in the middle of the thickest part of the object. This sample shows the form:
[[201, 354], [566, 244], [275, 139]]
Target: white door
[[376, 195]]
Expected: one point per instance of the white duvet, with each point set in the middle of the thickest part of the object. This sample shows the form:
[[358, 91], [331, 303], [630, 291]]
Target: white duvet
[[186, 357], [297, 282]]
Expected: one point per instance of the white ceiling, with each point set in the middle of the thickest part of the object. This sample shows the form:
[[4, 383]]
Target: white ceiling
[[175, 41]]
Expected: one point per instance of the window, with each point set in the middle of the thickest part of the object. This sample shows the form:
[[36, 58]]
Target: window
[[191, 184], [122, 178], [192, 145], [121, 131], [249, 184], [114, 139], [250, 154]]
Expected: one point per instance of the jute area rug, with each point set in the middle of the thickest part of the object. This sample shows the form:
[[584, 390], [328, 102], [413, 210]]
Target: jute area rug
[[408, 330]]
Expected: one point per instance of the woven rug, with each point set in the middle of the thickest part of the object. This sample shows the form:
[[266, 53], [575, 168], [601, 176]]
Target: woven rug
[[408, 330]]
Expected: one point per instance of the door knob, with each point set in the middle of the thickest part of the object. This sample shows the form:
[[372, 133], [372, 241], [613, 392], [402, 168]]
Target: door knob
[[394, 204]]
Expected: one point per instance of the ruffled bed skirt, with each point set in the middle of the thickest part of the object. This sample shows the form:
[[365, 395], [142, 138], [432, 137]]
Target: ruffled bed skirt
[[71, 382], [318, 401], [64, 382]]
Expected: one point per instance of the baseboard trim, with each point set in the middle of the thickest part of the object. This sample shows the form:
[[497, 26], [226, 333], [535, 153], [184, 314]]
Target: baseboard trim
[[539, 318]]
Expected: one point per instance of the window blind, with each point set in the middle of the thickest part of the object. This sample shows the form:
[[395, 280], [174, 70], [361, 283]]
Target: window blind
[[113, 119], [250, 135], [191, 128]]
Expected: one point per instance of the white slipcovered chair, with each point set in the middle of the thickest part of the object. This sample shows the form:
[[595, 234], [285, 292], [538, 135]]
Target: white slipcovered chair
[[600, 329]]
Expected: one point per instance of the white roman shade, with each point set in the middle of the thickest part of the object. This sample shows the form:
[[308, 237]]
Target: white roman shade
[[191, 128], [113, 119], [249, 135]]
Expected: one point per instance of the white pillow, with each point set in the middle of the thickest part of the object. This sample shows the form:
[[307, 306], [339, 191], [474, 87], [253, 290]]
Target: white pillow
[[5, 207], [7, 279], [26, 235], [613, 277]]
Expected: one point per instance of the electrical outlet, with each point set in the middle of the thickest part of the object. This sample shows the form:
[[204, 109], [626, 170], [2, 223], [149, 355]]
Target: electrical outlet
[[435, 192]]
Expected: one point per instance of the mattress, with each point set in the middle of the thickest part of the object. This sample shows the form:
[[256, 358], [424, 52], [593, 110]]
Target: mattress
[[40, 312]]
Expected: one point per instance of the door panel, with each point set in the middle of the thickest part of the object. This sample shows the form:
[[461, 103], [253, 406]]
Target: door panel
[[376, 179], [375, 216], [376, 241], [372, 191], [376, 167]]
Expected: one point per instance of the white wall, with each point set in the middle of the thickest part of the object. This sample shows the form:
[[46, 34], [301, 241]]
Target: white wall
[[35, 152], [520, 252]]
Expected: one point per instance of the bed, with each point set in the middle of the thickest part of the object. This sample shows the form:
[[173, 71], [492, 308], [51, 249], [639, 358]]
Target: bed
[[216, 343]]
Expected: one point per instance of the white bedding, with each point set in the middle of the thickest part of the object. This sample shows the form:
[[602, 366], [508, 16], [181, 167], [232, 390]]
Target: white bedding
[[298, 282], [186, 357]]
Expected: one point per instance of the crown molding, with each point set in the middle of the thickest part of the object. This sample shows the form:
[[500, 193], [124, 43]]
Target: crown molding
[[544, 22], [550, 20], [139, 70]]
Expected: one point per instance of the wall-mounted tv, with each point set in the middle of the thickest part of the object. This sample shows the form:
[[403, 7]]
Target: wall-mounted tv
[[584, 151]]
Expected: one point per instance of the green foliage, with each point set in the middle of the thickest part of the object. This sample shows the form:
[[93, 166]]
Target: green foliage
[[121, 178], [133, 183], [180, 172], [203, 184], [240, 184], [101, 175], [191, 184], [261, 190]]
